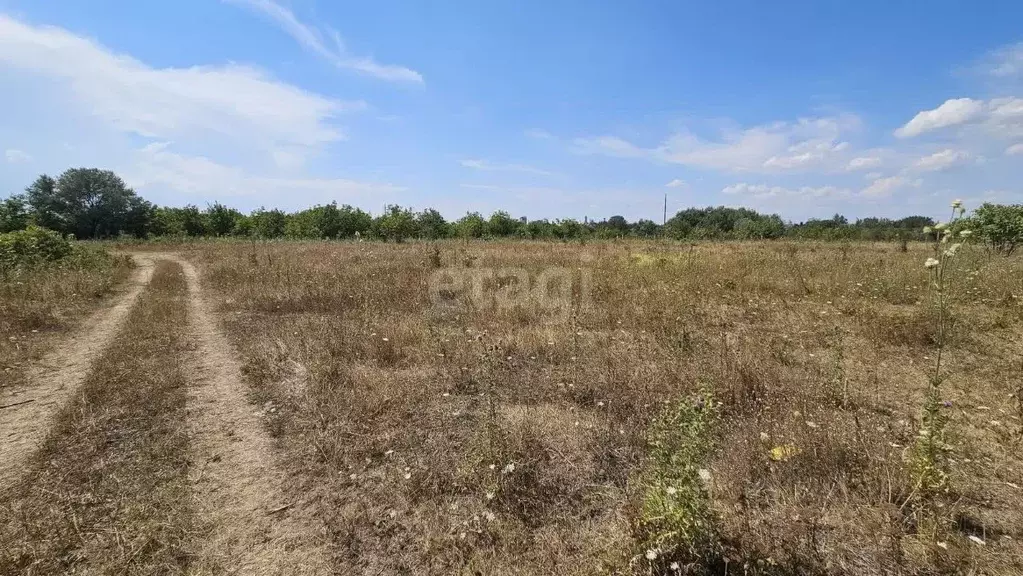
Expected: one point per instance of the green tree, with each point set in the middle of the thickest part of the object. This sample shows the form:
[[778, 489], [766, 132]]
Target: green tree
[[472, 225], [269, 223], [89, 203], [192, 221], [396, 223], [999, 226], [502, 224], [431, 224], [44, 206], [618, 224], [220, 219], [352, 220], [13, 213], [645, 228]]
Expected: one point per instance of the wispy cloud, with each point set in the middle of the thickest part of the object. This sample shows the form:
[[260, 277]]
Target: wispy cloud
[[240, 104], [805, 144], [538, 134], [676, 183], [1005, 62], [157, 165], [333, 49], [950, 113], [14, 156], [942, 160], [488, 166], [763, 191], [1002, 117], [886, 186], [863, 163]]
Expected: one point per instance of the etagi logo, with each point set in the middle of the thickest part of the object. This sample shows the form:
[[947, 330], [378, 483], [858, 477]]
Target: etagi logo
[[554, 289]]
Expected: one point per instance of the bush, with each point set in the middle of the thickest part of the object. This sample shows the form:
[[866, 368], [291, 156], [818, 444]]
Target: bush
[[1000, 227], [32, 247], [676, 524]]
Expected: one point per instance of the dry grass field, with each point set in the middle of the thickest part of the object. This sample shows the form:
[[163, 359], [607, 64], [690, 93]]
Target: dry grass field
[[721, 408]]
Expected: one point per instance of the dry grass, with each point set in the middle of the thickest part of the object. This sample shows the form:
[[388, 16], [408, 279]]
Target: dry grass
[[108, 492], [403, 420], [40, 306]]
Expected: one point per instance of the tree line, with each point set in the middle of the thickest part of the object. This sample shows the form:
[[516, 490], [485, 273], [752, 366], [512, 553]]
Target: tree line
[[91, 203]]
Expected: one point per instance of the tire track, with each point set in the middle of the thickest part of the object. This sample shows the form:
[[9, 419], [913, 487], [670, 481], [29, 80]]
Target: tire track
[[26, 420], [238, 488]]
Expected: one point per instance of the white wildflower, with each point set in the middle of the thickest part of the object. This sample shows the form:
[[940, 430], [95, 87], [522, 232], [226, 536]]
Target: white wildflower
[[940, 226], [508, 469], [704, 475], [957, 203], [931, 263], [674, 566], [651, 555], [671, 490], [927, 230], [965, 233]]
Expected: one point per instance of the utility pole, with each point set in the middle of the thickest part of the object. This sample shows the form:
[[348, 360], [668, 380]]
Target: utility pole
[[664, 218]]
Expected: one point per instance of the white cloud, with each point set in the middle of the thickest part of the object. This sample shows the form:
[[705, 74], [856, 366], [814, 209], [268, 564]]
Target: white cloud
[[763, 191], [538, 134], [676, 183], [863, 163], [1006, 62], [950, 113], [805, 144], [15, 156], [155, 165], [883, 187], [1005, 117], [1000, 117], [1014, 150], [611, 146], [312, 39], [487, 166], [942, 160], [239, 103]]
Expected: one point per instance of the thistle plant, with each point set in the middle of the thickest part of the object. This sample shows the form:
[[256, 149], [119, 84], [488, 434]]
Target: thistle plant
[[930, 450]]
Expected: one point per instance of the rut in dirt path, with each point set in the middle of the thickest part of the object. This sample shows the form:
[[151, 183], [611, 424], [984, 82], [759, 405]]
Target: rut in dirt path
[[238, 488], [52, 382]]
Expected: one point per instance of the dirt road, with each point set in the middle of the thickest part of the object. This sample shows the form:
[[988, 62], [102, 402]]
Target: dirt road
[[242, 523]]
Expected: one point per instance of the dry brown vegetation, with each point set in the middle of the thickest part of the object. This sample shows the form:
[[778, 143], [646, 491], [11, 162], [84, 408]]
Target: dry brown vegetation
[[107, 492], [714, 408], [479, 440], [38, 307]]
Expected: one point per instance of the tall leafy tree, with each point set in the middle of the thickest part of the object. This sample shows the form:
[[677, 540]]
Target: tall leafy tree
[[13, 214], [89, 203], [220, 219], [396, 223], [431, 224]]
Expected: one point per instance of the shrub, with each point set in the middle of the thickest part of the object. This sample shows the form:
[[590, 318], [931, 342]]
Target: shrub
[[1000, 227], [32, 247], [677, 525]]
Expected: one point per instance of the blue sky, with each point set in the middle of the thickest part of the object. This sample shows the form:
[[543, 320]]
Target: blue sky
[[545, 109]]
